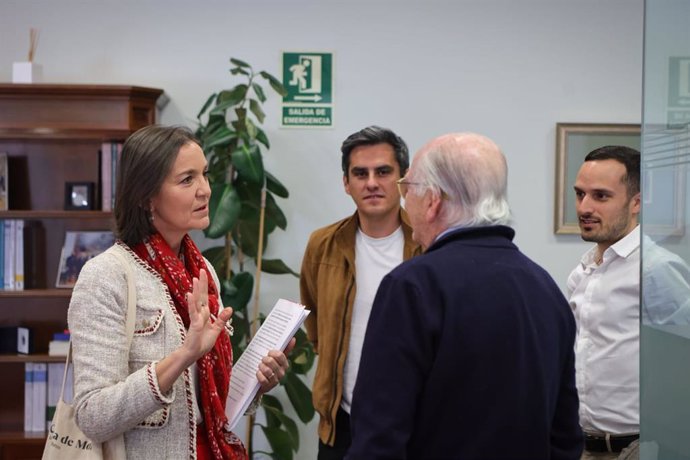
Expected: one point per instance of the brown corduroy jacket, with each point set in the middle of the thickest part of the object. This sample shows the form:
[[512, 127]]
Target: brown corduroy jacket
[[327, 288]]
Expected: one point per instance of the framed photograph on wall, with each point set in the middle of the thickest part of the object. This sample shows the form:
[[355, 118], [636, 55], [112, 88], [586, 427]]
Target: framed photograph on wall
[[4, 182], [573, 142], [79, 247]]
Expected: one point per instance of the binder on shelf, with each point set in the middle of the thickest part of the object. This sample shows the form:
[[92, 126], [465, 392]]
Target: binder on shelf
[[28, 396], [8, 280], [55, 373], [4, 182], [40, 394], [106, 176], [34, 251], [2, 254], [19, 255]]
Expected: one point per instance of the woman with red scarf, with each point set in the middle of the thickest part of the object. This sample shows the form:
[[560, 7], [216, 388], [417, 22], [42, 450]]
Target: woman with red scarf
[[167, 391]]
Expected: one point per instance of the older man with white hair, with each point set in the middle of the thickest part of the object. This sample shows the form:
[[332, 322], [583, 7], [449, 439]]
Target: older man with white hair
[[469, 347]]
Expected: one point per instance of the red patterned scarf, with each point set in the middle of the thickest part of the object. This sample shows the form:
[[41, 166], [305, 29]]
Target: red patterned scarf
[[215, 366]]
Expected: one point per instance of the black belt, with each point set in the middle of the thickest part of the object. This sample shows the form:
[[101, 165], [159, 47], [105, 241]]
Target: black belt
[[595, 443]]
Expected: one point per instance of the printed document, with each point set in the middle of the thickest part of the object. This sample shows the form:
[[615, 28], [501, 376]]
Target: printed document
[[274, 334]]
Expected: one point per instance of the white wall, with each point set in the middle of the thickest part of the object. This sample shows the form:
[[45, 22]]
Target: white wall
[[510, 70]]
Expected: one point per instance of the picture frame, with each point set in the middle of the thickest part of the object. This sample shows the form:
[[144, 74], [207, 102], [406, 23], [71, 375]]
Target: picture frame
[[79, 196], [573, 142], [79, 247], [4, 182]]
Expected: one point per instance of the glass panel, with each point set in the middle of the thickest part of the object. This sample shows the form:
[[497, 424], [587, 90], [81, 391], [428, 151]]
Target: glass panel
[[665, 289]]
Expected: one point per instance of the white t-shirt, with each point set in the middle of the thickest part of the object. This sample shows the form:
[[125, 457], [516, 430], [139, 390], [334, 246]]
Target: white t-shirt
[[374, 258]]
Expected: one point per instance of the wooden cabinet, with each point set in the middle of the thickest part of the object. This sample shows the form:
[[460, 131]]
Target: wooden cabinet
[[52, 134]]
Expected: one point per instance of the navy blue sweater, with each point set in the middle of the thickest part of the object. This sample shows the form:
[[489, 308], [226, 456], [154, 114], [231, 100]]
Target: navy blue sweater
[[468, 354]]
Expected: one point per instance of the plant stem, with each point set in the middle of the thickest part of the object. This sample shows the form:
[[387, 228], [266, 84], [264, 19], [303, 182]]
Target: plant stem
[[259, 257]]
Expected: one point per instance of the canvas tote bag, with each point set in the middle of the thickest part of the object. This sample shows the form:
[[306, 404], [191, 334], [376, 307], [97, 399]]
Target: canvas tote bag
[[65, 440]]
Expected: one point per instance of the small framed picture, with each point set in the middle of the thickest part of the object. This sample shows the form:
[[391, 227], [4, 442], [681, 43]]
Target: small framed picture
[[79, 247], [79, 196], [4, 176]]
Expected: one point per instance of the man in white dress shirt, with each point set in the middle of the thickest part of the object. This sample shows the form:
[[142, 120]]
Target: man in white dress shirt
[[604, 293]]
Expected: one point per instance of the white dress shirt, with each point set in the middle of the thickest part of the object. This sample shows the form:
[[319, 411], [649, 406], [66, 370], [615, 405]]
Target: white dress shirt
[[606, 303]]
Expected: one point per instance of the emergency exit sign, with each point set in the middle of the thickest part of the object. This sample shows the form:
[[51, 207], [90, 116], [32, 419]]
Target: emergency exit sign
[[308, 78]]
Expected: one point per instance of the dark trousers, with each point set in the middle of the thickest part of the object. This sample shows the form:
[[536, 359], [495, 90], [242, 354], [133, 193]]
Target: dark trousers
[[343, 438]]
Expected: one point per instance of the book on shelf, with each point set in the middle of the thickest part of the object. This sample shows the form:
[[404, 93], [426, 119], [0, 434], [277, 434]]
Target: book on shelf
[[106, 178], [34, 252], [59, 346], [22, 248], [9, 256], [114, 160], [109, 159], [275, 333], [56, 372], [40, 393], [28, 396], [19, 255], [2, 254], [42, 385], [4, 182]]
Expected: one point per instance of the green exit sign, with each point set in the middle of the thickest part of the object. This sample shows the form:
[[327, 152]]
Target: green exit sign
[[308, 78]]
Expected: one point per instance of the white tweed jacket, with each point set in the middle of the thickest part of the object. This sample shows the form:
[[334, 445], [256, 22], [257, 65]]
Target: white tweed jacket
[[116, 390]]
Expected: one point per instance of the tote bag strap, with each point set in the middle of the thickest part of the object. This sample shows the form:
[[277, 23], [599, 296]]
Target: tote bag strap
[[129, 322], [131, 297]]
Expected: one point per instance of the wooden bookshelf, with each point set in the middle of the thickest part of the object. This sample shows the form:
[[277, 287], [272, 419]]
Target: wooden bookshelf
[[52, 134]]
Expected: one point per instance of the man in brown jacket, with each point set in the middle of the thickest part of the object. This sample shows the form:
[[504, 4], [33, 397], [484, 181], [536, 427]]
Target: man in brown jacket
[[342, 268]]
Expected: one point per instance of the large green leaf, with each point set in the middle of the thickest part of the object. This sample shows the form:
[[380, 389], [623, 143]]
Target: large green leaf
[[246, 235], [275, 83], [261, 137], [240, 325], [279, 441], [215, 122], [238, 70], [302, 356], [300, 396], [252, 129], [225, 207], [216, 256], [288, 423], [272, 402], [229, 98], [274, 214], [275, 186], [259, 92], [206, 105], [255, 107], [238, 290], [276, 267], [240, 63], [249, 164], [222, 136]]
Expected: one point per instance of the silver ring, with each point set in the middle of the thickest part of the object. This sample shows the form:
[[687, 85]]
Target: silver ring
[[272, 375]]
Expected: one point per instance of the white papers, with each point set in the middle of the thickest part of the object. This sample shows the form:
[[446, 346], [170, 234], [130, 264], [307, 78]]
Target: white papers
[[274, 334]]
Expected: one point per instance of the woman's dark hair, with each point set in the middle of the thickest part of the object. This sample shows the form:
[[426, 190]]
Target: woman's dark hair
[[372, 135], [147, 157]]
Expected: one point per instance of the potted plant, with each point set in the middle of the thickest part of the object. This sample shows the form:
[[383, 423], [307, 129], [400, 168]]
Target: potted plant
[[244, 212]]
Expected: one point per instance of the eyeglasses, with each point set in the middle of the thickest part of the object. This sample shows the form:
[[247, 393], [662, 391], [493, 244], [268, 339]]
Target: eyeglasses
[[403, 186]]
